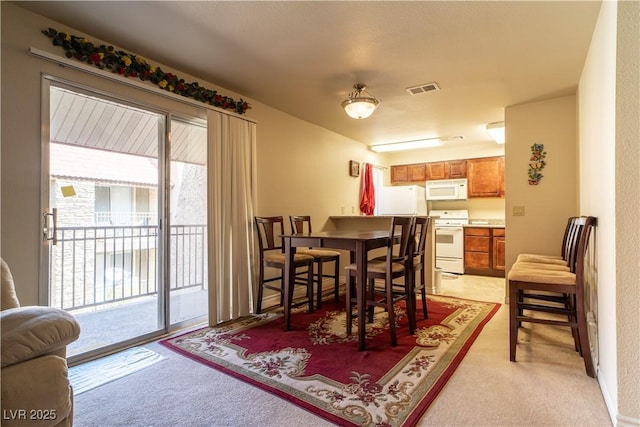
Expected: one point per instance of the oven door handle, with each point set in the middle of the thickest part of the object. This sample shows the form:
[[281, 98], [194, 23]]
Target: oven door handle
[[449, 230]]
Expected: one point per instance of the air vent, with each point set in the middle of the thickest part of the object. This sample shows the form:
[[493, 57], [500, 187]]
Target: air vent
[[458, 138], [428, 87]]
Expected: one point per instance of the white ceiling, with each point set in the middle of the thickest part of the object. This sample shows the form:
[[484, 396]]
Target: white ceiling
[[303, 57]]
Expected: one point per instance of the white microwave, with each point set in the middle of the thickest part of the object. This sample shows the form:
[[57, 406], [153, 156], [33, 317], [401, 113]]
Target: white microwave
[[446, 189]]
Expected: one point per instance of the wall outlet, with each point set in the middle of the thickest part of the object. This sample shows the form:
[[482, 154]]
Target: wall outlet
[[518, 211], [342, 210], [353, 209]]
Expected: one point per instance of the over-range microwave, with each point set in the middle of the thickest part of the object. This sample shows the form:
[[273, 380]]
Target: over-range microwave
[[446, 189]]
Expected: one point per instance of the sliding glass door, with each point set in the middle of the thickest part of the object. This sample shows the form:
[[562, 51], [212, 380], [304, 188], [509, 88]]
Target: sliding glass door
[[187, 261], [124, 223]]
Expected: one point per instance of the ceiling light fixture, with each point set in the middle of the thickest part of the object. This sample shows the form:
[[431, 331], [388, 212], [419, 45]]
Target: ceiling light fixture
[[359, 106], [407, 145], [496, 130]]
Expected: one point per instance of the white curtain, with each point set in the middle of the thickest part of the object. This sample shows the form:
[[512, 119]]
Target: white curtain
[[231, 187]]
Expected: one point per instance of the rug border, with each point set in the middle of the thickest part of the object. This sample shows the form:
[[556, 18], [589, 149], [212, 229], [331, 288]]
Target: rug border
[[412, 417]]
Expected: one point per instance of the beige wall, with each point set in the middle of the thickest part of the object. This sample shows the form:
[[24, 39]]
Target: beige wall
[[317, 182], [627, 178], [554, 199], [610, 189], [304, 169]]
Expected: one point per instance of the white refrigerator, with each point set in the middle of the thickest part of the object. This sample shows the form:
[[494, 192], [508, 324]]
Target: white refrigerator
[[402, 200]]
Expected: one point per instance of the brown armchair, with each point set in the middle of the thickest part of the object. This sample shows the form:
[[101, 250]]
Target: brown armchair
[[35, 387]]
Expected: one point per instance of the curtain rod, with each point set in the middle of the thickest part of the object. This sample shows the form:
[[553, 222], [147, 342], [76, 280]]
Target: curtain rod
[[66, 62], [376, 166]]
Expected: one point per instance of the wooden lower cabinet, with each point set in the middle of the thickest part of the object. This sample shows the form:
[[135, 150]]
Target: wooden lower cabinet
[[484, 253]]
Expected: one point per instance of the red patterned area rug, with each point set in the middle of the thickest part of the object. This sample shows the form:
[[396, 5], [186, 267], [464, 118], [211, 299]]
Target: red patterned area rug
[[318, 367]]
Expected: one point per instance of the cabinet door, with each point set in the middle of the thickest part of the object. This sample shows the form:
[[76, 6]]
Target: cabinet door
[[477, 244], [417, 172], [399, 173], [486, 177], [498, 253], [437, 170], [476, 260], [477, 248], [457, 169]]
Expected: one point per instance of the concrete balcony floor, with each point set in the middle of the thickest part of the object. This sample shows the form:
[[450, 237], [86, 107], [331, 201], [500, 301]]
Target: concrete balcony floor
[[113, 323]]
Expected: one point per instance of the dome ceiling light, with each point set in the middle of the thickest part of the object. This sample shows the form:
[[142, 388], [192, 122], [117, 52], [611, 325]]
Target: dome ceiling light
[[360, 104]]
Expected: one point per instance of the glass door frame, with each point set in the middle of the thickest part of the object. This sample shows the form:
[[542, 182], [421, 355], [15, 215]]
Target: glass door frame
[[48, 81]]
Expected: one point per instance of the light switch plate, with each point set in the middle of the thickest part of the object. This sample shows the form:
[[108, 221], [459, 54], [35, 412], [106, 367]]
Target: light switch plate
[[518, 211]]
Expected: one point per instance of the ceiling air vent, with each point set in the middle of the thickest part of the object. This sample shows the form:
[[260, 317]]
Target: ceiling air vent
[[428, 87], [458, 138]]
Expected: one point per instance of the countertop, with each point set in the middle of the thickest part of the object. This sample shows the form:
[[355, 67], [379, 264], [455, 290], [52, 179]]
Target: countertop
[[486, 223]]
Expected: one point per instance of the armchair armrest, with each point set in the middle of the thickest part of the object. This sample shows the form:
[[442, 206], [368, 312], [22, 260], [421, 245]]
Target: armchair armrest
[[33, 331]]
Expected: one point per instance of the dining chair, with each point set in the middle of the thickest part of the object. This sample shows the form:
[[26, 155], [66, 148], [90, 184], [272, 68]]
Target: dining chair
[[302, 224], [272, 255], [394, 266], [418, 264], [528, 287]]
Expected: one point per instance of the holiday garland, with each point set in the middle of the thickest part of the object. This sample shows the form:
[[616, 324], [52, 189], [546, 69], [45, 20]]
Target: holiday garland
[[131, 65]]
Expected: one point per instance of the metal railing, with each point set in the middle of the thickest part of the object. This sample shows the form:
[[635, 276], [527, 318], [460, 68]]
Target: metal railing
[[93, 266]]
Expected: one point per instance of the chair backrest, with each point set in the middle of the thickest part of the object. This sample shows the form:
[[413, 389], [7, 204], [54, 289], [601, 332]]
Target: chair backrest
[[579, 250], [570, 235], [571, 248], [270, 228], [403, 227], [300, 223], [421, 230]]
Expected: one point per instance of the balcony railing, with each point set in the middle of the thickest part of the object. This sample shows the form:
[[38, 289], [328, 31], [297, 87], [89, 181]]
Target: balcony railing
[[100, 265]]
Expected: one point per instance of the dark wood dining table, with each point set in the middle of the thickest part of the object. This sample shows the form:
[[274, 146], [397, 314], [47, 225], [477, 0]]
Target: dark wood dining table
[[358, 243]]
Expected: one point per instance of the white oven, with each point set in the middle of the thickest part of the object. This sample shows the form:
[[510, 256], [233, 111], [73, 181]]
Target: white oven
[[450, 239]]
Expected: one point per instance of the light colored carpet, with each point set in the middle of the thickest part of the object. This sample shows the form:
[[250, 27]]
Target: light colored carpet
[[90, 375], [546, 387]]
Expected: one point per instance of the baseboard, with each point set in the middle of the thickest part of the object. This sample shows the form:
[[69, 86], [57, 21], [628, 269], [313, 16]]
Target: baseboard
[[618, 420]]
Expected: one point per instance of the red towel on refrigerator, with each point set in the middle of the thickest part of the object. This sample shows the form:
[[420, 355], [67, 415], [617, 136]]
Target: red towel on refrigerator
[[368, 200]]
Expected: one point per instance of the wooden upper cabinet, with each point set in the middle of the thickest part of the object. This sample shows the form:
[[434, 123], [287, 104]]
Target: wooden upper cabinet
[[417, 172], [486, 177], [399, 173], [447, 170], [436, 170], [408, 173], [457, 168]]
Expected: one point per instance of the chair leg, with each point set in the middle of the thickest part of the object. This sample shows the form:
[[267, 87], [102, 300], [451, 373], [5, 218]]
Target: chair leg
[[320, 277], [370, 309], [513, 322], [336, 275], [423, 294], [260, 292], [583, 335], [310, 286], [349, 307], [411, 302], [391, 315]]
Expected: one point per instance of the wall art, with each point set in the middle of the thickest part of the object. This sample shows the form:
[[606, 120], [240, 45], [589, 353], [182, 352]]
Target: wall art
[[536, 163]]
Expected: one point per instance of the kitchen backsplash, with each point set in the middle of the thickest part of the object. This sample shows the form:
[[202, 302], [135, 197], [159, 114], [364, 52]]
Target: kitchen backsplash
[[487, 209]]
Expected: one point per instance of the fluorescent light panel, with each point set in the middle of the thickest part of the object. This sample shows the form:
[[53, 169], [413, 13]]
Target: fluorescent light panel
[[496, 130], [407, 145]]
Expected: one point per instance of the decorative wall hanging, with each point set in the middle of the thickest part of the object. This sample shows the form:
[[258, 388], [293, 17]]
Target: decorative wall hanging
[[354, 168], [536, 163], [131, 65]]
